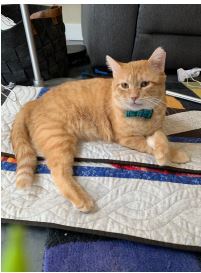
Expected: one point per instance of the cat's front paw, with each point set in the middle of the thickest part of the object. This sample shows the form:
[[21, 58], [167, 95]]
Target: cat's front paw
[[161, 156], [179, 156], [160, 150]]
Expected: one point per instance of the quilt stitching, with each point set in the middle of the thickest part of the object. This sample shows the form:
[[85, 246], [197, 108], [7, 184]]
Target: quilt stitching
[[167, 212]]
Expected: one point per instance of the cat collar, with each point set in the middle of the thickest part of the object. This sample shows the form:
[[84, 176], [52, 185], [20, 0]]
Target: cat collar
[[143, 113]]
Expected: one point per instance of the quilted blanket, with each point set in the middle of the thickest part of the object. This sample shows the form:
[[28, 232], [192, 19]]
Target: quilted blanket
[[136, 199]]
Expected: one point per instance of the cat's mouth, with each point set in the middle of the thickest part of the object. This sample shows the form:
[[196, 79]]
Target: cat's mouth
[[133, 105], [136, 105]]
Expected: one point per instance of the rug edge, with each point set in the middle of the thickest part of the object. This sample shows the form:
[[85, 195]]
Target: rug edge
[[104, 233]]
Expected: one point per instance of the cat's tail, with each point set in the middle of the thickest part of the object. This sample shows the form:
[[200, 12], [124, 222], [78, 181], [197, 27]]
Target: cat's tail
[[25, 153]]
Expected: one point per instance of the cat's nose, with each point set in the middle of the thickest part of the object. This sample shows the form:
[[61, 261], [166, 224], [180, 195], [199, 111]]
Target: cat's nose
[[134, 98]]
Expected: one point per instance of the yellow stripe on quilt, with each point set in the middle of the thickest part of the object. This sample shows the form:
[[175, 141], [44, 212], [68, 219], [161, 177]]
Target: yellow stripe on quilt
[[195, 87], [173, 103]]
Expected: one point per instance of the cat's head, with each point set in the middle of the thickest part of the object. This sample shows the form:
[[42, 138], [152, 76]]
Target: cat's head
[[139, 84]]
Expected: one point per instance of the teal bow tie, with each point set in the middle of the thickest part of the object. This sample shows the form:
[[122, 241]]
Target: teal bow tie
[[143, 113]]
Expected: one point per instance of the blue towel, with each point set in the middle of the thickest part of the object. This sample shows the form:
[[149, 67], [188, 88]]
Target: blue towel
[[68, 251]]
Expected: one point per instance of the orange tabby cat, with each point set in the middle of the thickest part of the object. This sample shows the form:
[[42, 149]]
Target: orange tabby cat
[[93, 110]]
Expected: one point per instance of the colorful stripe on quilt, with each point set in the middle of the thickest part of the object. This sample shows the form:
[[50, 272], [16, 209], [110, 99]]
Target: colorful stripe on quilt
[[116, 171]]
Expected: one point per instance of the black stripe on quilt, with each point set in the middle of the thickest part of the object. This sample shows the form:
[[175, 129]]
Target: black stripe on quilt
[[127, 163]]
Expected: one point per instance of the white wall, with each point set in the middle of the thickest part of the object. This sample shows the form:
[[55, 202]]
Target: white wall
[[72, 21], [71, 13]]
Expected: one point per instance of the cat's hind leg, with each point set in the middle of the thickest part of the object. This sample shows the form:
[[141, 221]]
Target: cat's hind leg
[[59, 153]]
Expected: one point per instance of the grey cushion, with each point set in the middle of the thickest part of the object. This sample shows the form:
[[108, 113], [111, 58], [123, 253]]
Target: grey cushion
[[177, 28], [170, 19], [182, 51], [129, 32], [109, 29]]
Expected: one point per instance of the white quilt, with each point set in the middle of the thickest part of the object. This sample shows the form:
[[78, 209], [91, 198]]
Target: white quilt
[[150, 209]]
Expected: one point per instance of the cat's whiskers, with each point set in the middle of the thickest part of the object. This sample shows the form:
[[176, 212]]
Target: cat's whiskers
[[123, 102], [157, 102], [154, 101]]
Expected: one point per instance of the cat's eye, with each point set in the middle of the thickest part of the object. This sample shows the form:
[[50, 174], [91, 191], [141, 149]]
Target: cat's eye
[[124, 85], [144, 84]]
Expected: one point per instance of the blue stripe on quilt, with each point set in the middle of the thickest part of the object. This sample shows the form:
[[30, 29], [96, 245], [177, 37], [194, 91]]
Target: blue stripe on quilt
[[90, 171], [184, 139], [42, 91]]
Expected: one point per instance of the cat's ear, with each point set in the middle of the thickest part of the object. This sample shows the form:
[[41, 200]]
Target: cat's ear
[[113, 65], [157, 59]]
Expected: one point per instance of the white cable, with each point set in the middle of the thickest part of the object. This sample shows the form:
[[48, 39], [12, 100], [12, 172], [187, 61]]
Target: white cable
[[8, 87], [181, 96]]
